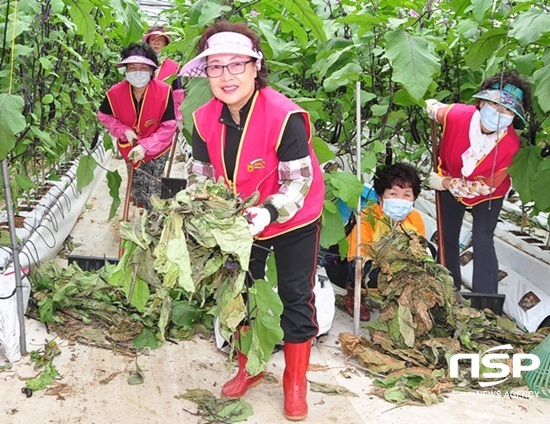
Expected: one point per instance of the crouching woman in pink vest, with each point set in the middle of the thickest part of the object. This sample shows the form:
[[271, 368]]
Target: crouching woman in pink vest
[[139, 113], [260, 141]]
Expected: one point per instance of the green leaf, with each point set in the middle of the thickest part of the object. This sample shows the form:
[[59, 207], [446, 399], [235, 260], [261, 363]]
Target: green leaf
[[25, 183], [186, 314], [113, 182], [539, 187], [47, 99], [307, 16], [81, 14], [483, 48], [406, 325], [332, 230], [85, 171], [342, 77], [479, 7], [413, 61], [523, 168], [542, 87], [198, 93], [346, 187], [322, 151], [146, 338], [394, 394], [530, 26], [12, 121]]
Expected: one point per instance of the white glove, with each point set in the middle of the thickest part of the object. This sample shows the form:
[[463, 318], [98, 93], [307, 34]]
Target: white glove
[[436, 181], [130, 135], [137, 153], [432, 106], [259, 218], [180, 125]]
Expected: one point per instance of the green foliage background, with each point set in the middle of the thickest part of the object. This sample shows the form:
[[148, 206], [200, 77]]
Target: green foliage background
[[401, 52]]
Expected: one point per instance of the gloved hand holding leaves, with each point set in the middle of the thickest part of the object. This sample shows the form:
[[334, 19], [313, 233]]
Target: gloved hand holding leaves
[[137, 153], [259, 218]]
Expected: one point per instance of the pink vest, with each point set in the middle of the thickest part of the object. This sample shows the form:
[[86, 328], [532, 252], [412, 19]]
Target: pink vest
[[154, 103], [456, 140], [256, 167], [167, 68]]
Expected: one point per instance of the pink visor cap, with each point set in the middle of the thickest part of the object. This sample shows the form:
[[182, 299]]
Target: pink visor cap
[[145, 38], [136, 59], [222, 42]]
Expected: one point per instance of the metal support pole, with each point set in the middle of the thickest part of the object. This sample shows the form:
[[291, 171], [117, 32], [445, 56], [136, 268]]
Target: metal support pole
[[358, 270], [16, 264]]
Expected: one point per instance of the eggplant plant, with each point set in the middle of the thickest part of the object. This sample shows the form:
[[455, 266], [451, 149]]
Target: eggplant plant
[[401, 53]]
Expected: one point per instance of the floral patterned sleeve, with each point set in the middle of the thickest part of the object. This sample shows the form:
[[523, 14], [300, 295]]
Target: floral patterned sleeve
[[198, 171], [295, 177]]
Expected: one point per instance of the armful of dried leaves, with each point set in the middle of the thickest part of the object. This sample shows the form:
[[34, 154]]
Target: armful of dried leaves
[[423, 322], [183, 264]]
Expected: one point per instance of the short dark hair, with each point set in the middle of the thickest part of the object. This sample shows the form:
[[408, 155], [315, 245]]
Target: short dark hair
[[139, 49], [240, 28], [400, 174]]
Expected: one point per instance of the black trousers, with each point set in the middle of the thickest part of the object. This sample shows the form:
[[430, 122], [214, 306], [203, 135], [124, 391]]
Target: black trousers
[[296, 256], [485, 218]]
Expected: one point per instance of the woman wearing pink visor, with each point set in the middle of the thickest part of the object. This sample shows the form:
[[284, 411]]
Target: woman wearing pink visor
[[157, 37], [478, 144], [260, 141], [139, 113]]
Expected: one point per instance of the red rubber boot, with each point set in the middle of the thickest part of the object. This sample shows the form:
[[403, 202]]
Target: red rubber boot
[[294, 379], [238, 385]]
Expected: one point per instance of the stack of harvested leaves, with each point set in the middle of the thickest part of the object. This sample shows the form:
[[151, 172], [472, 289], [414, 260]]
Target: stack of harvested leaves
[[423, 322], [186, 263]]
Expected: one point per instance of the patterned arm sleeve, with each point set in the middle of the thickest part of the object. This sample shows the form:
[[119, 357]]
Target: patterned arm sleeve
[[198, 171], [295, 177]]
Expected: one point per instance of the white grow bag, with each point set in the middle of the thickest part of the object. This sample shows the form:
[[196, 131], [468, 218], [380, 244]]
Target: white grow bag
[[9, 322]]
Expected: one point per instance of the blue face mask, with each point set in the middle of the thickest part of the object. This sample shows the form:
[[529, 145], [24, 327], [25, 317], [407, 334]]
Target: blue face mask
[[397, 209], [493, 119]]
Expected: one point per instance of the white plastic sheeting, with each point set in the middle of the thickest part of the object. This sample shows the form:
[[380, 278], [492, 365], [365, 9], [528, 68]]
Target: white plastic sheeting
[[9, 323], [44, 231], [527, 267], [46, 227]]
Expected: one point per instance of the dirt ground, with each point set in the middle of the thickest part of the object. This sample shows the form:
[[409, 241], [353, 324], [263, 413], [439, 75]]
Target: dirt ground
[[93, 387]]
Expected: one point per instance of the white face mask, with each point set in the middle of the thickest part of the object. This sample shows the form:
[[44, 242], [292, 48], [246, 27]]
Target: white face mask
[[138, 79], [492, 119], [397, 209]]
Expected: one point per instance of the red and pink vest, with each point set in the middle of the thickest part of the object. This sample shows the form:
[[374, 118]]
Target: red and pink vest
[[456, 140], [154, 103], [256, 167], [167, 68]]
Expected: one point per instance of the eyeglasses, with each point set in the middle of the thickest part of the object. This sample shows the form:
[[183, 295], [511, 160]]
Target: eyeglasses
[[234, 68]]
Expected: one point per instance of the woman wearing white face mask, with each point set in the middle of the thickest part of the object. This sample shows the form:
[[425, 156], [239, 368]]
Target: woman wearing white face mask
[[139, 113], [397, 187], [478, 144]]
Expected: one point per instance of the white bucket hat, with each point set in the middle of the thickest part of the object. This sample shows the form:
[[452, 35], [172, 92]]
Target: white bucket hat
[[221, 42]]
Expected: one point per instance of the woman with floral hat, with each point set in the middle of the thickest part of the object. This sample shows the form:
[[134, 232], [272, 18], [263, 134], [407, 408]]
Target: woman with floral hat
[[477, 147], [260, 142], [139, 113]]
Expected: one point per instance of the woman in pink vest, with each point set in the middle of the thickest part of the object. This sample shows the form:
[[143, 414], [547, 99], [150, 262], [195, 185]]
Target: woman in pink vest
[[477, 146], [260, 142], [157, 37], [139, 113]]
